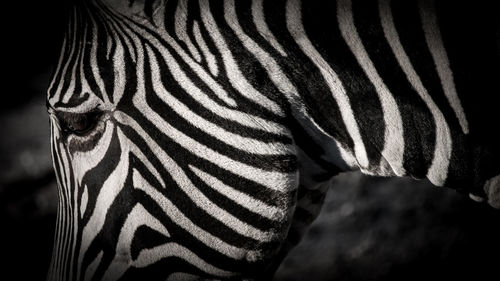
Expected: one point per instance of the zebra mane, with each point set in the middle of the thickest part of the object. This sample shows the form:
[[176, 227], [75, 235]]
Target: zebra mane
[[139, 9]]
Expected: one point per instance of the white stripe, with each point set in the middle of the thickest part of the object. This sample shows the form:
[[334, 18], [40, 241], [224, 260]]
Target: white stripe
[[94, 64], [277, 76], [207, 205], [122, 260], [283, 182], [195, 195], [92, 103], [150, 256], [259, 20], [335, 152], [249, 145], [199, 96], [137, 152], [55, 247], [252, 204], [275, 73], [92, 267], [66, 248], [57, 251], [200, 150], [200, 72], [69, 92], [393, 139], [237, 79], [59, 64], [181, 28], [76, 220], [210, 58], [182, 276], [492, 190], [90, 159], [62, 211], [434, 41], [57, 95], [438, 170], [119, 33], [296, 29], [207, 102], [181, 220], [85, 88], [84, 201], [119, 71], [84, 161], [273, 180], [107, 194]]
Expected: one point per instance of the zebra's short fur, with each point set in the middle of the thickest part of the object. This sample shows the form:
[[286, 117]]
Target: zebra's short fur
[[196, 138]]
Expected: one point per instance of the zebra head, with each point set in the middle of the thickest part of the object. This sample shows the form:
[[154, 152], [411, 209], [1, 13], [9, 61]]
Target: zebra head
[[158, 168], [190, 141]]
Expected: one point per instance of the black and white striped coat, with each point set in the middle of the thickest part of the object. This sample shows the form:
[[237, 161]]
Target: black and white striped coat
[[196, 138]]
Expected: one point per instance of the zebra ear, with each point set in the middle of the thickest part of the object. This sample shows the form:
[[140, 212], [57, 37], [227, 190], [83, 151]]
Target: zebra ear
[[134, 8]]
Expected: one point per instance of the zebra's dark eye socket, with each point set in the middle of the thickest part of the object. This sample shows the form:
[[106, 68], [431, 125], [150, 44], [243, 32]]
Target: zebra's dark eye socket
[[77, 123]]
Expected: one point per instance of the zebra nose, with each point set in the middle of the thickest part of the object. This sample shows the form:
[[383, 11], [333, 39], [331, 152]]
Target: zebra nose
[[492, 189]]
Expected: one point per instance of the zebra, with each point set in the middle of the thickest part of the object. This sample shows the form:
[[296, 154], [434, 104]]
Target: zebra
[[196, 139]]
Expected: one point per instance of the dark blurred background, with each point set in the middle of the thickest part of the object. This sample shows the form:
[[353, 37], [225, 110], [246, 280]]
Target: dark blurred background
[[370, 228], [31, 37]]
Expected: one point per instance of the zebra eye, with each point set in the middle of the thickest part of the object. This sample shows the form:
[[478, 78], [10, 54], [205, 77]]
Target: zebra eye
[[77, 123]]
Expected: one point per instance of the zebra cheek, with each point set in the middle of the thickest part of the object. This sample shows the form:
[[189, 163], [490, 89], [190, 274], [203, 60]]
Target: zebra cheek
[[84, 161]]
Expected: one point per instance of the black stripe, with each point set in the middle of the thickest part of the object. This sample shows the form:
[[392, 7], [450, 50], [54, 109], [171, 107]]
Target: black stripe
[[249, 66], [363, 97], [179, 93], [418, 125], [184, 158], [306, 77]]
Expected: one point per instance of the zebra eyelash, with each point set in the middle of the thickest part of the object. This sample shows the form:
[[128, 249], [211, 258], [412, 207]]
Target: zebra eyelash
[[81, 131], [79, 124]]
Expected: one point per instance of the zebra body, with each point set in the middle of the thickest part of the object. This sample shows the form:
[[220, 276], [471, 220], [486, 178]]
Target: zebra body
[[196, 138]]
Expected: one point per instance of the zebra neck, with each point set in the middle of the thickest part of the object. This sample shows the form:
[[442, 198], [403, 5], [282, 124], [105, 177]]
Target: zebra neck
[[366, 90]]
